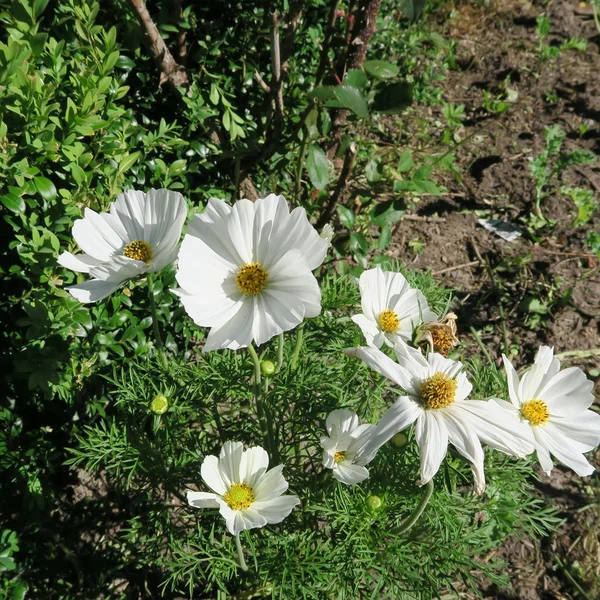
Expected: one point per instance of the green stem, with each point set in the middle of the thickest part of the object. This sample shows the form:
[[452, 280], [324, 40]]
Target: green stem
[[240, 552], [157, 336], [296, 354], [260, 407], [578, 353], [481, 346], [280, 351], [409, 522]]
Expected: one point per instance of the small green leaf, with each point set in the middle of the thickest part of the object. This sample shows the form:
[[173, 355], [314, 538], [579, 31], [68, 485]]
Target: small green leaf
[[318, 167], [356, 78], [128, 161], [45, 187], [347, 217], [381, 69], [406, 162], [13, 202], [351, 98]]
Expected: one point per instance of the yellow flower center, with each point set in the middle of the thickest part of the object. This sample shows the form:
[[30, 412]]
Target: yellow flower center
[[438, 391], [251, 279], [339, 456], [443, 340], [389, 321], [138, 250], [239, 496], [536, 412]]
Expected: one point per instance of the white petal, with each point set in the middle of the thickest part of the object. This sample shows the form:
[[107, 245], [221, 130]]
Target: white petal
[[413, 361], [277, 509], [165, 214], [119, 268], [239, 520], [270, 485], [93, 290], [255, 461], [584, 428], [513, 382], [202, 499], [235, 333], [544, 458], [568, 393], [212, 475], [215, 211], [290, 231], [240, 227], [349, 473], [96, 237], [230, 459], [128, 210], [216, 238], [80, 262], [291, 278], [215, 313], [465, 440], [495, 426], [384, 365], [532, 382], [431, 435], [396, 418], [340, 421], [370, 330], [564, 450]]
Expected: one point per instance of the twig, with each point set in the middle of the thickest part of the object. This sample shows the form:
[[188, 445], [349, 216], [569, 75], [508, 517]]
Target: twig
[[339, 188], [170, 71], [578, 354], [456, 267], [425, 219], [324, 58], [181, 36], [276, 66], [263, 84], [536, 248]]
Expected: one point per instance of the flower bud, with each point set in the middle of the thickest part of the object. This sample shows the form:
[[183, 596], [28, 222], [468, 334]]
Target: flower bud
[[327, 232], [159, 404], [399, 440], [374, 502], [267, 367]]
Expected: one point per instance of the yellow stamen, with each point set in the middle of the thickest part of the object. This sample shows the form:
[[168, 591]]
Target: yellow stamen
[[536, 412], [251, 278], [239, 496], [339, 456], [389, 321], [138, 250], [438, 391]]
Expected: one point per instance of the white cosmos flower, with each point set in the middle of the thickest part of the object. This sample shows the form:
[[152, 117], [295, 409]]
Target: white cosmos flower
[[246, 271], [436, 398], [391, 308], [139, 234], [344, 449], [553, 405], [246, 494]]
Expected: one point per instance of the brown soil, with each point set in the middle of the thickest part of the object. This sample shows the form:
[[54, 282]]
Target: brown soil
[[497, 48]]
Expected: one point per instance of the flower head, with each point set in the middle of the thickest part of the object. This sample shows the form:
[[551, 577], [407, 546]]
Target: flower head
[[436, 397], [553, 405], [344, 449], [246, 271], [438, 336], [246, 494], [139, 234], [391, 308]]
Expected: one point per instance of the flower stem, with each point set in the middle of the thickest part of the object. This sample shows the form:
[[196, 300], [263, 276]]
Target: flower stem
[[157, 337], [260, 407], [298, 347], [280, 351], [240, 552], [408, 523]]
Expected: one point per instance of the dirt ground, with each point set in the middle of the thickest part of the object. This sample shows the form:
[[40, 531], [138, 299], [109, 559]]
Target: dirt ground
[[495, 280]]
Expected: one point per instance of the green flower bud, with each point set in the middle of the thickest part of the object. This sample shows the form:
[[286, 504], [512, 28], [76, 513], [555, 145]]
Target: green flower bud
[[399, 440], [374, 502], [267, 367], [159, 404]]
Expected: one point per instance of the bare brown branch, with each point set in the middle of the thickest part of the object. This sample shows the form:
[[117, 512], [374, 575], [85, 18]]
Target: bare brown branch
[[170, 71]]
